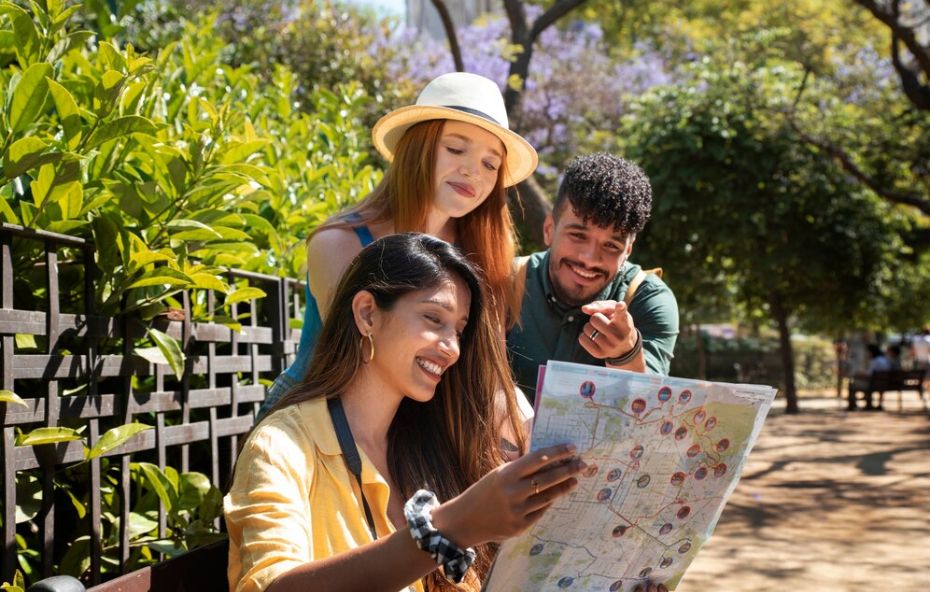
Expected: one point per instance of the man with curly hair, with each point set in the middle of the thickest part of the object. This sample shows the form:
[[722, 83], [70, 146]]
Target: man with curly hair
[[582, 299]]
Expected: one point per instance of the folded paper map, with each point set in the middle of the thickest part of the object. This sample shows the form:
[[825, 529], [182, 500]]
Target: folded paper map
[[663, 456]]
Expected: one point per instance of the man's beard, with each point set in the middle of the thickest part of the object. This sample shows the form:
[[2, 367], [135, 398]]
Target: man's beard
[[580, 296]]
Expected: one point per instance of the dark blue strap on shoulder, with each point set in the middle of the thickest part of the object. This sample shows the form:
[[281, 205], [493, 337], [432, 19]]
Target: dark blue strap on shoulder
[[350, 454], [361, 231]]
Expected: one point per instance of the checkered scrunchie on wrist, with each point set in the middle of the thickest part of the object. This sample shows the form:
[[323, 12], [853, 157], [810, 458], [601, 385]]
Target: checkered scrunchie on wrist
[[454, 560]]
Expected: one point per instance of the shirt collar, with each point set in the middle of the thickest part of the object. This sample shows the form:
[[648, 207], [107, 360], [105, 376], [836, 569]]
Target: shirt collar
[[316, 417], [315, 414]]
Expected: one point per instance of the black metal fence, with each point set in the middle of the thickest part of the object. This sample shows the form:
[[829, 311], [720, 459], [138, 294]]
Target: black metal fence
[[83, 374]]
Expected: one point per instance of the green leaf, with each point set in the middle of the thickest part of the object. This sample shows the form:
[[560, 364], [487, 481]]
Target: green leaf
[[7, 41], [76, 560], [6, 196], [23, 155], [239, 152], [79, 507], [28, 498], [170, 349], [48, 436], [68, 113], [208, 281], [140, 524], [115, 438], [26, 36], [29, 96], [158, 482], [258, 224], [227, 233], [18, 585], [247, 293], [192, 230], [11, 397], [143, 258], [152, 355], [53, 7], [111, 79], [194, 488], [26, 341], [119, 127], [161, 276], [43, 183], [111, 56], [170, 548], [70, 198]]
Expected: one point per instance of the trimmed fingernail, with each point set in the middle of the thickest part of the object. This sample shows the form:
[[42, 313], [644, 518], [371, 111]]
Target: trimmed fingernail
[[580, 464], [570, 448]]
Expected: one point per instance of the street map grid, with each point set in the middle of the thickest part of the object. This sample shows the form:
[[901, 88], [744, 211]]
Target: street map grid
[[663, 456]]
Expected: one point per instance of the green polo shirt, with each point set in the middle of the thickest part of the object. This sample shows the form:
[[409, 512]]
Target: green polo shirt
[[549, 330]]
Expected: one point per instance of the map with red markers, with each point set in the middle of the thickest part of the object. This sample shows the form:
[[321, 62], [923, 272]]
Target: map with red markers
[[663, 456]]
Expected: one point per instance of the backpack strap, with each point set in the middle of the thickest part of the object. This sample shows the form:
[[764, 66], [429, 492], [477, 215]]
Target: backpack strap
[[637, 280]]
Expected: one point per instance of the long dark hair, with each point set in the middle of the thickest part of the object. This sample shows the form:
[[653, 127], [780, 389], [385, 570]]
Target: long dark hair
[[451, 441]]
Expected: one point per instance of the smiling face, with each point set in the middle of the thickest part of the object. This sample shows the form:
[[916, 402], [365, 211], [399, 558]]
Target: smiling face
[[583, 257], [417, 340], [467, 166]]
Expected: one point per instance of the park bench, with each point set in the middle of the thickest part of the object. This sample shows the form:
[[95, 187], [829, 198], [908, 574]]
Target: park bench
[[884, 381]]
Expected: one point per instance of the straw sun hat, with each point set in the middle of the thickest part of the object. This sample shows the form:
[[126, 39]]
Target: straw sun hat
[[463, 97]]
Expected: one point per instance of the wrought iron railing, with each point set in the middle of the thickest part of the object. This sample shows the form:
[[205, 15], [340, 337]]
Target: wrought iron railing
[[84, 374]]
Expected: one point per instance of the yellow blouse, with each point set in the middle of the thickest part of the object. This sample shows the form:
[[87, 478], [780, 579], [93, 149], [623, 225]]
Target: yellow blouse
[[293, 499]]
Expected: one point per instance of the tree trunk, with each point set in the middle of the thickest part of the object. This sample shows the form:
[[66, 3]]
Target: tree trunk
[[787, 355], [840, 347], [449, 28], [529, 211]]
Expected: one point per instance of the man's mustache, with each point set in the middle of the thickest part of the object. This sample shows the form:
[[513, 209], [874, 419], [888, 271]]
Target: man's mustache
[[582, 266]]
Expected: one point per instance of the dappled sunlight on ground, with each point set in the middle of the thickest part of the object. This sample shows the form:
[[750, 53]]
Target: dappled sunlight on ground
[[828, 501]]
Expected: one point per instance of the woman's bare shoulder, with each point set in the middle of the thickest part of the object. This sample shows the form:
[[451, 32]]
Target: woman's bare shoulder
[[334, 237]]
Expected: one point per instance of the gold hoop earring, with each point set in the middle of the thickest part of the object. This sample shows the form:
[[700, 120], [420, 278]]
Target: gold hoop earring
[[371, 344]]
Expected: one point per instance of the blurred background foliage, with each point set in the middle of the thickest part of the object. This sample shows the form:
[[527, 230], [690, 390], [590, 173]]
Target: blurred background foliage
[[186, 137]]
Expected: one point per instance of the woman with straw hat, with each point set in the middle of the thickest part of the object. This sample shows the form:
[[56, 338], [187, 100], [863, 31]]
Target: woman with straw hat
[[452, 158]]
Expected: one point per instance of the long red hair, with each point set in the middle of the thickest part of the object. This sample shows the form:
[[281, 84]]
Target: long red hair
[[485, 235]]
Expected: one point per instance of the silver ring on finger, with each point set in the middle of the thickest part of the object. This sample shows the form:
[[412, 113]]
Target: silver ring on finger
[[594, 334]]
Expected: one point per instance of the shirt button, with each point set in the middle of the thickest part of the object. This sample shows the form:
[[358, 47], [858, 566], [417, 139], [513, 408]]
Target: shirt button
[[571, 319]]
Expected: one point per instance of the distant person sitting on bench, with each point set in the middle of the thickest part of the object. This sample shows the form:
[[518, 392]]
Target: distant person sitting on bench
[[860, 382]]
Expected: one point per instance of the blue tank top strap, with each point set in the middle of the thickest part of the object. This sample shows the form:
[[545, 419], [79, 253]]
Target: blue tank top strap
[[361, 231]]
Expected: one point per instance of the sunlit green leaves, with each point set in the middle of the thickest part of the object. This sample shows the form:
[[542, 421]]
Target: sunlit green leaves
[[158, 481], [243, 294], [52, 435], [18, 584], [29, 96], [11, 397], [68, 113], [120, 127], [115, 438], [28, 498], [170, 350]]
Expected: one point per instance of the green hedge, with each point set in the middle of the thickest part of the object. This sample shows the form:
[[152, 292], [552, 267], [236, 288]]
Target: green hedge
[[759, 360], [177, 165]]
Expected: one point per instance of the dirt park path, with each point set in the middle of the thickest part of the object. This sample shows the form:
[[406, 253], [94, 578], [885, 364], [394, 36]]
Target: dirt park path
[[829, 500]]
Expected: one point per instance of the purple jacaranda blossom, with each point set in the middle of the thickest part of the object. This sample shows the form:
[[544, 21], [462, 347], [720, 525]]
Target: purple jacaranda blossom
[[575, 86]]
